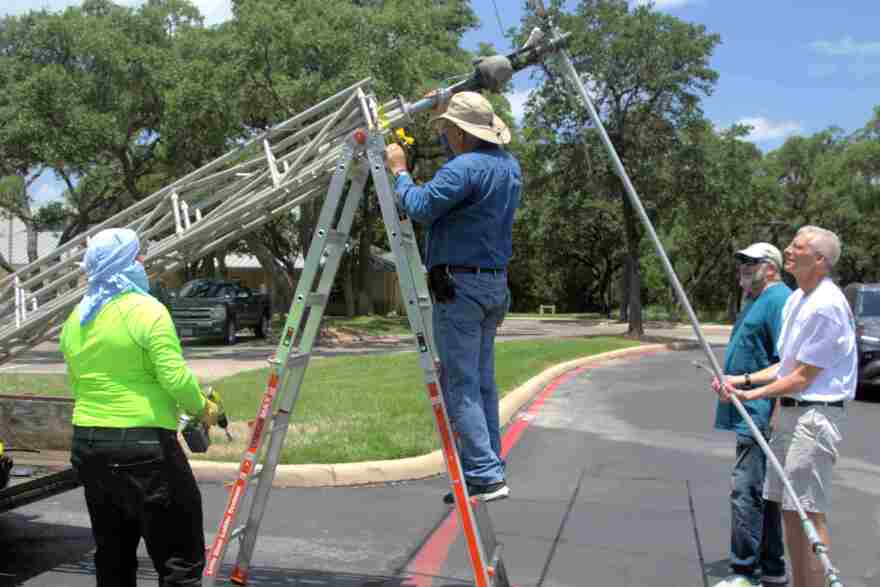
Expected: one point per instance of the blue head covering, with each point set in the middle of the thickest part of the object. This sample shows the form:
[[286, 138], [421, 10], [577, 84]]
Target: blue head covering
[[111, 270]]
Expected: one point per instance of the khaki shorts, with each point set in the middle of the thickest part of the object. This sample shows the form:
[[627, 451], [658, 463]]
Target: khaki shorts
[[806, 445]]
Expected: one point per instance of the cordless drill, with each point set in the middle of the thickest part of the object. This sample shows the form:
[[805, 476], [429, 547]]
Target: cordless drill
[[195, 432]]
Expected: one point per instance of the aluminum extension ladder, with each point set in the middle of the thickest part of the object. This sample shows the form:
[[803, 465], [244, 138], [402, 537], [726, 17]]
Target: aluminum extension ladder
[[362, 155], [266, 177]]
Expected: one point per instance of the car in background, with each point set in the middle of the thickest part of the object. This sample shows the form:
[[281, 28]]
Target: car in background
[[219, 309], [864, 299]]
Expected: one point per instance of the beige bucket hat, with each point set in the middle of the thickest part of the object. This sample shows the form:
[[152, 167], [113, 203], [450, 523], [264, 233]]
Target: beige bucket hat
[[473, 114]]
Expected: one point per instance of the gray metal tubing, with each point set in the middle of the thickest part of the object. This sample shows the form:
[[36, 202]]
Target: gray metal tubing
[[138, 207], [809, 529]]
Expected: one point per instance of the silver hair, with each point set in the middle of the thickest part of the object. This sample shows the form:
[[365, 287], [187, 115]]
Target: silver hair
[[824, 242]]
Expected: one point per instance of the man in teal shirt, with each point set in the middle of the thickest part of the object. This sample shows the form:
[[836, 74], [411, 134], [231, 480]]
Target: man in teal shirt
[[756, 525]]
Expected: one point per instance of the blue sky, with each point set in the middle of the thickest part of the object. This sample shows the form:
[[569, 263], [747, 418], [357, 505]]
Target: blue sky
[[786, 66]]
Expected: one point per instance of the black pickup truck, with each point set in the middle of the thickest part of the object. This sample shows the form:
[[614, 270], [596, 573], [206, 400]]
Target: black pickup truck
[[213, 308]]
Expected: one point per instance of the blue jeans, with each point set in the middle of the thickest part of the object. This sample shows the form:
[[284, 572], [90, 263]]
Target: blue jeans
[[464, 332], [756, 525]]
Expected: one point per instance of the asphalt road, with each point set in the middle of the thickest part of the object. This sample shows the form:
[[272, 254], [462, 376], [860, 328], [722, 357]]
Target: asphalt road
[[617, 480]]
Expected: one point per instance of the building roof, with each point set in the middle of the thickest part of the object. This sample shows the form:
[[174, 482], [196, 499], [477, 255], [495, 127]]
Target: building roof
[[13, 241], [380, 260]]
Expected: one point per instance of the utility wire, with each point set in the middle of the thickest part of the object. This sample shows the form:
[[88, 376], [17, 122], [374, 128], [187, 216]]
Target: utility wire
[[498, 17]]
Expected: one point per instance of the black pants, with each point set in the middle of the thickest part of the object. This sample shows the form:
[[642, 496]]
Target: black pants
[[138, 484]]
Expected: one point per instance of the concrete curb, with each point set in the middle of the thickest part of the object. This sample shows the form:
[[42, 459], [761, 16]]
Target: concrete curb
[[407, 469]]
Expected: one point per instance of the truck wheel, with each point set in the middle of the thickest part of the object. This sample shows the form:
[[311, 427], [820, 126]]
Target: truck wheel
[[264, 326], [231, 337]]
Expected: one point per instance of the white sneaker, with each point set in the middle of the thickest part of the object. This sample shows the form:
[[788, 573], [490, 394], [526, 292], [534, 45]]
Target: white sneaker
[[735, 581]]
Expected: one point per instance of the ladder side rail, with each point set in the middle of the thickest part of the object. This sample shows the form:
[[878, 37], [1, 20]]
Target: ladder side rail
[[304, 286], [474, 546], [331, 253], [410, 245]]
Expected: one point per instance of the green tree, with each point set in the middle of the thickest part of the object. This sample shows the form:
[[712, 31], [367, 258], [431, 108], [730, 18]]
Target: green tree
[[291, 55], [646, 71], [122, 94]]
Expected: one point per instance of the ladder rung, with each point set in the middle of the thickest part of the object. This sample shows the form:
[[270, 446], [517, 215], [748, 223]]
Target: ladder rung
[[316, 299]]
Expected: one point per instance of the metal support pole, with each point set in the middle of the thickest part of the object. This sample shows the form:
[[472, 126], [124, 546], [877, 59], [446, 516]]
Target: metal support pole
[[175, 207], [184, 213], [17, 302]]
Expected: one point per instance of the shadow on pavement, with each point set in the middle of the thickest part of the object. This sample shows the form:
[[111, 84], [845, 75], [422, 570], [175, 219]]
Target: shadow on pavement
[[32, 548], [79, 573]]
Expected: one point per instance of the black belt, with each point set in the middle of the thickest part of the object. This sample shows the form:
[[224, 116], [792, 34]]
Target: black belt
[[475, 270], [790, 402], [119, 434]]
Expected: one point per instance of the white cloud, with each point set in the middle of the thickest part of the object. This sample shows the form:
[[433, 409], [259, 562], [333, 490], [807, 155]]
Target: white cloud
[[847, 46], [214, 11], [764, 129]]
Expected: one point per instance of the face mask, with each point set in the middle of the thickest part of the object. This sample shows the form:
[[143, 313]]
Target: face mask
[[138, 276], [747, 279]]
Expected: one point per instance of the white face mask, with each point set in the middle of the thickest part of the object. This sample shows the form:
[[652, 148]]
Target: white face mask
[[745, 280], [752, 278]]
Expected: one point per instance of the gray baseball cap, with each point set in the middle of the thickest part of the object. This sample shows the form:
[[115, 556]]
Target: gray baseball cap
[[760, 252]]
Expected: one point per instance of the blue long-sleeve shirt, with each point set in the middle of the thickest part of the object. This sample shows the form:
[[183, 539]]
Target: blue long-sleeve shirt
[[469, 207]]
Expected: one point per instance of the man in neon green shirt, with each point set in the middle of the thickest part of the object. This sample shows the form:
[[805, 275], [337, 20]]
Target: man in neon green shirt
[[131, 384]]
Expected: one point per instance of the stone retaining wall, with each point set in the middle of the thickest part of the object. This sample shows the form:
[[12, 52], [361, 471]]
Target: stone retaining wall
[[36, 422]]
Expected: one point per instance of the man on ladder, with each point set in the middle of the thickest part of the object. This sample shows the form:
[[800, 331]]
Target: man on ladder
[[469, 207]]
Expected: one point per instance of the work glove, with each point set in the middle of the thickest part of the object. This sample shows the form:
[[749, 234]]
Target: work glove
[[211, 413]]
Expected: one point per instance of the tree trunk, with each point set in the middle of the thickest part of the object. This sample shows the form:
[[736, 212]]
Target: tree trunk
[[348, 289], [624, 291], [634, 283], [282, 282], [365, 243]]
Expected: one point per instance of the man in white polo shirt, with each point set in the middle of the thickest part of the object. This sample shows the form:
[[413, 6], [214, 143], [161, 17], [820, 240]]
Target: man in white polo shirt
[[814, 378]]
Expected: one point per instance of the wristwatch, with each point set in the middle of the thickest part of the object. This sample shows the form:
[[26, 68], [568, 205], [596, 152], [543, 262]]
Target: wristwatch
[[748, 380]]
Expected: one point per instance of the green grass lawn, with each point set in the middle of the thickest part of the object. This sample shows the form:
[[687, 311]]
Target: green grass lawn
[[354, 409], [372, 325]]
